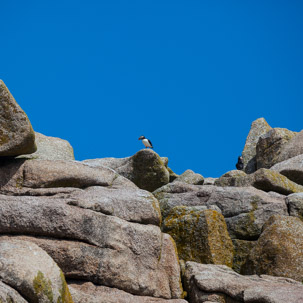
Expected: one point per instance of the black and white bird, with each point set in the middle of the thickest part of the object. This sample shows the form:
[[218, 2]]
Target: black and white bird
[[240, 164], [146, 142]]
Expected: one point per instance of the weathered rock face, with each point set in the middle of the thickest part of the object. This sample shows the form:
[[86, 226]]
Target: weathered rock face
[[31, 272], [245, 209], [242, 249], [295, 205], [278, 251], [218, 283], [200, 235], [291, 168], [51, 148], [16, 134], [190, 177], [90, 293], [269, 146], [293, 148], [8, 294], [146, 169], [258, 128]]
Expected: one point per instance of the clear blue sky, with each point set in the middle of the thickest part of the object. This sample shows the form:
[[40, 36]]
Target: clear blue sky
[[189, 75]]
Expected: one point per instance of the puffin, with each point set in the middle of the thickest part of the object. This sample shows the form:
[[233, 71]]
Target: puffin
[[240, 164], [146, 142]]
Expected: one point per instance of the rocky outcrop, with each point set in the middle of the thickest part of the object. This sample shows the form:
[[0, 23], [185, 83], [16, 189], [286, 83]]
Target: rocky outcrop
[[278, 251], [133, 257], [93, 223], [200, 235], [31, 272], [291, 168], [146, 169], [90, 293], [51, 148], [113, 240], [270, 145], [16, 133], [258, 128], [218, 283]]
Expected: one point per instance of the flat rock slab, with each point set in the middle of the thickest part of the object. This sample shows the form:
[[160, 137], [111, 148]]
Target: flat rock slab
[[89, 293], [51, 148], [32, 272], [17, 174], [16, 133], [279, 250], [291, 168], [218, 283], [245, 209]]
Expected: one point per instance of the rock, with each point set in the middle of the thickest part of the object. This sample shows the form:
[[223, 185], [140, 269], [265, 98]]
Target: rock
[[16, 133], [191, 178], [172, 175], [32, 272], [218, 283], [293, 148], [291, 168], [146, 169], [89, 293], [19, 173], [258, 128], [295, 205], [231, 178], [129, 203], [51, 148], [245, 209], [242, 250], [270, 145], [263, 179], [278, 251], [209, 181], [92, 246], [269, 180], [8, 294], [200, 235]]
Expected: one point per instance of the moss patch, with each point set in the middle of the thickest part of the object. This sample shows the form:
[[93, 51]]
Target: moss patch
[[64, 291], [43, 287]]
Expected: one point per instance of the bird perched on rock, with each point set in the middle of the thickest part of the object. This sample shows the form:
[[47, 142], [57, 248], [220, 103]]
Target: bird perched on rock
[[146, 142], [240, 164]]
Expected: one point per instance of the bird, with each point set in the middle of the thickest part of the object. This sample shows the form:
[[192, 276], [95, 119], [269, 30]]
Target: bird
[[146, 142], [240, 164]]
